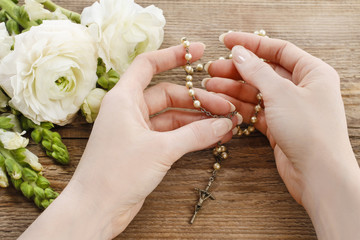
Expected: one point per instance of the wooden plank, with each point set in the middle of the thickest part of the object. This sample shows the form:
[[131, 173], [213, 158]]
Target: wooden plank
[[252, 201]]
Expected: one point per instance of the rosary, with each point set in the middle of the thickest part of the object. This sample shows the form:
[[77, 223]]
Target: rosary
[[220, 151]]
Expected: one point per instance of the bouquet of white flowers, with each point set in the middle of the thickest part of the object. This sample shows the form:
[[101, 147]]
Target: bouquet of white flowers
[[54, 62]]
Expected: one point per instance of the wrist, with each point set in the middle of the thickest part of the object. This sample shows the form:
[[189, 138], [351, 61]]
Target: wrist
[[332, 200]]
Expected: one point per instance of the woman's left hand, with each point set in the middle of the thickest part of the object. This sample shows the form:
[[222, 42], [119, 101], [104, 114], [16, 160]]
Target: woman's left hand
[[129, 153]]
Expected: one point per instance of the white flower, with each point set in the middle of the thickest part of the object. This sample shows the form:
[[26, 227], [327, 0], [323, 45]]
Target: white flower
[[37, 11], [51, 71], [33, 161], [4, 182], [124, 30], [5, 41], [13, 140], [91, 106]]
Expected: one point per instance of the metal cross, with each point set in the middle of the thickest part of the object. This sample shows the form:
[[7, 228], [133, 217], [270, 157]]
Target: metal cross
[[203, 196]]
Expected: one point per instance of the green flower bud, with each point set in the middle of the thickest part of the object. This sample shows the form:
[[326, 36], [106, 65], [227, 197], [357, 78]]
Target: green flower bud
[[47, 125], [60, 158], [47, 134], [12, 27], [29, 175], [13, 168], [23, 14], [16, 183], [36, 135], [37, 202], [39, 193], [59, 143], [27, 190], [19, 154], [27, 123], [49, 193], [5, 123], [13, 120], [51, 200], [45, 203], [59, 150], [3, 17], [47, 145], [2, 160], [15, 1], [101, 68], [42, 182]]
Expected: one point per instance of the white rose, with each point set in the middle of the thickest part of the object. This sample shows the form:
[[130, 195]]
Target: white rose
[[37, 11], [5, 41], [124, 30], [13, 140], [91, 106], [51, 71]]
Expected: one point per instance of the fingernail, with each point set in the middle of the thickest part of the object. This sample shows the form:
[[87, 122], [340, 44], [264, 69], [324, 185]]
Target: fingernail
[[206, 67], [239, 118], [235, 131], [222, 36], [221, 126], [204, 45], [240, 54], [232, 107], [204, 81]]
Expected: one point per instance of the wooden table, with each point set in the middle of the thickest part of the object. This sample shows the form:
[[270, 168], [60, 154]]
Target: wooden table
[[252, 201]]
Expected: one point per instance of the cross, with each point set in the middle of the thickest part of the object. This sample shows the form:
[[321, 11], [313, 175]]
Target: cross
[[203, 196]]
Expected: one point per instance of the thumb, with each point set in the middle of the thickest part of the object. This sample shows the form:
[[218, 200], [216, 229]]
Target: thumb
[[198, 135], [255, 71]]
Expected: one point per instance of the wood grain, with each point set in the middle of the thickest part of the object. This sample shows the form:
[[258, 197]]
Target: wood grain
[[252, 201]]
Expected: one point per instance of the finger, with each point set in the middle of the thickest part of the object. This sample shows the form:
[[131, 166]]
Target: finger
[[141, 71], [165, 95], [258, 73], [197, 135], [247, 111], [174, 119], [235, 89], [277, 51], [226, 69]]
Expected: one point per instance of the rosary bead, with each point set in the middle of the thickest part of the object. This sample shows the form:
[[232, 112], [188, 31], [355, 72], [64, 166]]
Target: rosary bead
[[189, 85], [215, 152], [188, 57], [222, 148], [224, 155], [240, 132], [197, 104], [186, 44], [262, 32], [218, 149], [191, 92], [230, 56], [189, 69], [251, 129], [257, 32], [246, 132], [200, 67], [183, 39], [189, 78], [259, 96], [217, 166], [221, 58], [253, 119], [257, 108]]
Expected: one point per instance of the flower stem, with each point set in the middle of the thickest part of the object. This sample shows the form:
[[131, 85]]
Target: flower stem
[[14, 11], [73, 16]]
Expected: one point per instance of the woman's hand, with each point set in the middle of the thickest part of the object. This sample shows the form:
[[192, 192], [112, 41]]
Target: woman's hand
[[128, 153], [304, 120]]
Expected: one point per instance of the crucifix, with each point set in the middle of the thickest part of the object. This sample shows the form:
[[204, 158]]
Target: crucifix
[[203, 196]]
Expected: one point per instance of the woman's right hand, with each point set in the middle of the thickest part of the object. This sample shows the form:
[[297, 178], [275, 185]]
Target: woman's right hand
[[304, 120]]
